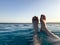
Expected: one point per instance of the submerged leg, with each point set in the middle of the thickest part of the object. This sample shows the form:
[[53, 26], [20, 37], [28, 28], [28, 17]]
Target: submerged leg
[[35, 26]]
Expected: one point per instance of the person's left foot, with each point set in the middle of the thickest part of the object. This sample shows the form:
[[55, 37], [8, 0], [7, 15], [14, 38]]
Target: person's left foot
[[35, 18], [35, 26]]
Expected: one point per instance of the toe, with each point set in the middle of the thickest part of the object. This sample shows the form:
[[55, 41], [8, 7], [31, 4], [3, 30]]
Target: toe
[[35, 18], [43, 17]]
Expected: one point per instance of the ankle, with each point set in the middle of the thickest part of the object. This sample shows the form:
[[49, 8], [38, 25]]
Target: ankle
[[43, 26]]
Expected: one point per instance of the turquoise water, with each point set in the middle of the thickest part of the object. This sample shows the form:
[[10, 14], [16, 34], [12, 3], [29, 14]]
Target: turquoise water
[[22, 34]]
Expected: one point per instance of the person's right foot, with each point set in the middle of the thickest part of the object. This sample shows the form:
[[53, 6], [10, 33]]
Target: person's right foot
[[43, 19], [43, 22], [44, 27]]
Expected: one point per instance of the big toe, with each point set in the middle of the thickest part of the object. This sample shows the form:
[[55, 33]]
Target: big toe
[[35, 18], [42, 18]]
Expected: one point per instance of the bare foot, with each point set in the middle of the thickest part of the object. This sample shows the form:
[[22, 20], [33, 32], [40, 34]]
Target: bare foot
[[43, 18], [35, 18], [51, 37], [43, 22], [35, 24]]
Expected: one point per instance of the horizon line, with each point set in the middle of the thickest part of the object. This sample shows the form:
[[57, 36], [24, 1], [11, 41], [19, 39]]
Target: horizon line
[[25, 22]]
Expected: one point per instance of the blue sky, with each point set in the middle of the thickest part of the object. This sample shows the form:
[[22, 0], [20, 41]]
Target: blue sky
[[24, 10]]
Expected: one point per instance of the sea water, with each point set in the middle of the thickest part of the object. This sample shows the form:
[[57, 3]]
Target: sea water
[[22, 34]]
